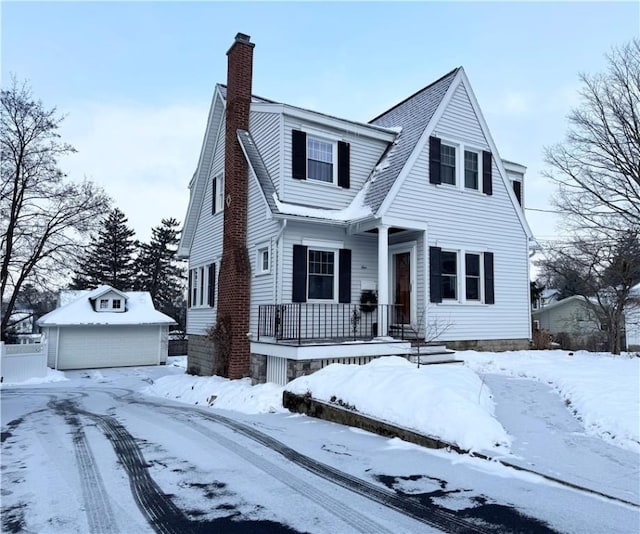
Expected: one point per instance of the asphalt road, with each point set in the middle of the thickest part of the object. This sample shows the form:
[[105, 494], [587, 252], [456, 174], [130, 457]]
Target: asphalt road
[[107, 460]]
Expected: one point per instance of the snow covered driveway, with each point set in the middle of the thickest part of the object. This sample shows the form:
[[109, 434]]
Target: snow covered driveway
[[93, 455]]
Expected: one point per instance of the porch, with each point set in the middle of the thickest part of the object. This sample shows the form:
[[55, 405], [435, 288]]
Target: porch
[[297, 339]]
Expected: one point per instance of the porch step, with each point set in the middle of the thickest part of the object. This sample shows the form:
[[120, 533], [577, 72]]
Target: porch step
[[431, 354]]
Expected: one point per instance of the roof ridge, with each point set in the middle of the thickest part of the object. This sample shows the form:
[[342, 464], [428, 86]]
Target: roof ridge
[[416, 93]]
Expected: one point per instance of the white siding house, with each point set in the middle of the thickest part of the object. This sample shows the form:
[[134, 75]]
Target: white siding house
[[106, 328], [416, 206]]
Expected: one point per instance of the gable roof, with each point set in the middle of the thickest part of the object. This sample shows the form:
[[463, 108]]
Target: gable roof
[[140, 311], [413, 115]]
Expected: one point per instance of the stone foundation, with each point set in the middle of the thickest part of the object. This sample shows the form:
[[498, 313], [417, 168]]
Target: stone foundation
[[200, 356], [302, 368], [258, 368], [495, 345]]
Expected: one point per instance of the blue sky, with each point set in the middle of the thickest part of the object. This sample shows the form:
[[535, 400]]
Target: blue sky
[[135, 79]]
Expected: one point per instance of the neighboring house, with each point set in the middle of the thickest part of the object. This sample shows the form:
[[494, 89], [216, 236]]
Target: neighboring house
[[572, 322], [295, 216], [632, 319], [21, 330], [105, 328], [547, 296]]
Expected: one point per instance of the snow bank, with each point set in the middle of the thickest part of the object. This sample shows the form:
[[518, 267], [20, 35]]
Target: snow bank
[[52, 376], [449, 402], [238, 395], [602, 390]]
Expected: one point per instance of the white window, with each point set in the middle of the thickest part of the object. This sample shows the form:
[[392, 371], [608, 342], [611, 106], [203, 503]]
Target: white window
[[104, 304], [321, 274], [116, 304], [448, 164], [449, 275], [263, 265], [472, 277], [320, 159], [217, 194], [471, 169]]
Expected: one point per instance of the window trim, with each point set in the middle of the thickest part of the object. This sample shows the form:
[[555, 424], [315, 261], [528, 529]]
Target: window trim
[[480, 277], [461, 277], [478, 170], [217, 200], [200, 286], [460, 148], [456, 166], [456, 275], [335, 274], [334, 158], [261, 249]]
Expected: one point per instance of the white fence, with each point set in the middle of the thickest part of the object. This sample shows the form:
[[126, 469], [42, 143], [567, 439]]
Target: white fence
[[21, 362]]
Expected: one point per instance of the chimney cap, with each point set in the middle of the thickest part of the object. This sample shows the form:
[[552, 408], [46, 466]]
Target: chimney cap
[[241, 38]]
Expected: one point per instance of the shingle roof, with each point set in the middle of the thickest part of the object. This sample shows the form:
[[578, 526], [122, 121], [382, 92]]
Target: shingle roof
[[259, 168], [412, 115]]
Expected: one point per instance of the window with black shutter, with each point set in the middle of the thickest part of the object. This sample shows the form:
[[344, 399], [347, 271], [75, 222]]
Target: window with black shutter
[[435, 274], [299, 154], [487, 182], [344, 164], [212, 285], [344, 277], [299, 289], [434, 160], [489, 285]]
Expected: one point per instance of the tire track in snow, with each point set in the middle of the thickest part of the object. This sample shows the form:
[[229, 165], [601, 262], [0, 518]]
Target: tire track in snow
[[359, 522], [436, 517], [98, 509]]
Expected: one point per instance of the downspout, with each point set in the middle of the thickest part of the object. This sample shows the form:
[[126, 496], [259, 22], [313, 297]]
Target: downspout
[[277, 262]]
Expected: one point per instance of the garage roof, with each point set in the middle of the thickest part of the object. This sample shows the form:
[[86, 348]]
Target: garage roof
[[79, 311]]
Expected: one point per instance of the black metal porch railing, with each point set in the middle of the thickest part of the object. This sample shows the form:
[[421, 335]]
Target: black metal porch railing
[[304, 322]]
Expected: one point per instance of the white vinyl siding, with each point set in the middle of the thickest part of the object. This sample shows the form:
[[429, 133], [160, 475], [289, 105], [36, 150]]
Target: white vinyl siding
[[460, 219], [364, 155]]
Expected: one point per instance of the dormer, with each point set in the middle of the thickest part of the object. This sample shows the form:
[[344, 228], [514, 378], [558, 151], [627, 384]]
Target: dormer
[[109, 300], [515, 172]]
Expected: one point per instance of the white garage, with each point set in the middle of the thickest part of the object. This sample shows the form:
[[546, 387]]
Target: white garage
[[106, 328]]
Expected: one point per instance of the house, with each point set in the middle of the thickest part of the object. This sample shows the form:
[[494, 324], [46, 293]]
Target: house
[[105, 328], [296, 216], [572, 322], [632, 319]]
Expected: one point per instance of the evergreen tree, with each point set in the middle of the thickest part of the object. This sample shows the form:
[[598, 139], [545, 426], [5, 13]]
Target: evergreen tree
[[110, 257], [158, 270]]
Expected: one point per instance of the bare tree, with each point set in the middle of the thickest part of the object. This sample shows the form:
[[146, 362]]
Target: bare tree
[[607, 269], [597, 167], [44, 218]]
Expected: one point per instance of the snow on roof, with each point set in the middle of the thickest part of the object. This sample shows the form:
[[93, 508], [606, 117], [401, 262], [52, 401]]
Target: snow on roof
[[79, 311], [355, 210]]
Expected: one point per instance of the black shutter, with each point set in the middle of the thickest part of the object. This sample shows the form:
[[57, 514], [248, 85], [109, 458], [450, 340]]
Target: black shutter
[[299, 290], [299, 154], [434, 160], [489, 285], [343, 164], [435, 274], [212, 285], [214, 183], [190, 287], [344, 277], [517, 189], [487, 185]]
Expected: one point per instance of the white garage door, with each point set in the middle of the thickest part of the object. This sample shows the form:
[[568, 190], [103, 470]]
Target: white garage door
[[108, 346]]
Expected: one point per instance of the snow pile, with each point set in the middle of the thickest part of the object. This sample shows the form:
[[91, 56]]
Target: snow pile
[[448, 402], [52, 376], [602, 390], [238, 395]]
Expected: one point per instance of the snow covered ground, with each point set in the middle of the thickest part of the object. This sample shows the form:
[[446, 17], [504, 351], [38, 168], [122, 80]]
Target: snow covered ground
[[575, 417]]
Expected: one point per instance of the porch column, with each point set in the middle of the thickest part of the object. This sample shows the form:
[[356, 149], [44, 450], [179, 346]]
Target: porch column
[[383, 279]]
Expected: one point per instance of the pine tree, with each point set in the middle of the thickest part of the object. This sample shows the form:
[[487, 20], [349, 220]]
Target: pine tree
[[110, 258], [158, 270]]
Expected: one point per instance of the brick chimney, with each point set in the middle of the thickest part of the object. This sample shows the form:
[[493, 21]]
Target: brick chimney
[[235, 270]]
